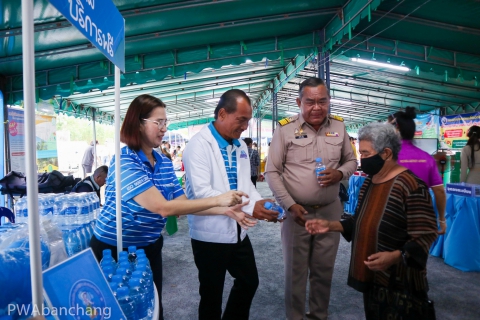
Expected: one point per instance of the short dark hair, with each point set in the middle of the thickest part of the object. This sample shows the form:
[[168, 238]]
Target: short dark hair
[[100, 170], [311, 82], [248, 141], [228, 101], [405, 124], [140, 108]]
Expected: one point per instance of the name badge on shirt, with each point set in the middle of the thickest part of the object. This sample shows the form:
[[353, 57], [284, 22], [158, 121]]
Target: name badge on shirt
[[332, 134], [243, 155]]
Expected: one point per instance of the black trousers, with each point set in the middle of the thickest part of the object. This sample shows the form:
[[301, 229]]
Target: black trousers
[[213, 260], [153, 253], [254, 180]]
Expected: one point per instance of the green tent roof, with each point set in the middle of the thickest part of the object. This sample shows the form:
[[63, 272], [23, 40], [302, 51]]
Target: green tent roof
[[189, 52]]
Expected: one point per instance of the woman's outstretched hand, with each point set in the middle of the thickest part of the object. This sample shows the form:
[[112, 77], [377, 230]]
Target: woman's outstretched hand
[[316, 226], [244, 220], [230, 198]]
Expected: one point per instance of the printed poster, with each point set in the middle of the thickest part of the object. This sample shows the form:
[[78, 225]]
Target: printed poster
[[45, 127], [426, 126], [454, 128]]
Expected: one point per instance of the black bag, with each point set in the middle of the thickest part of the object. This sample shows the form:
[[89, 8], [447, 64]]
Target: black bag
[[390, 303]]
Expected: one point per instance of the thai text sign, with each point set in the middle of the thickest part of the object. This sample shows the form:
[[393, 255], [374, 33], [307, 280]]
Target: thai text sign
[[99, 21], [454, 128]]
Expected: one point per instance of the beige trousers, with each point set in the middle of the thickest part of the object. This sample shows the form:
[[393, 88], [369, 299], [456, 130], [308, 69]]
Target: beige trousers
[[302, 253]]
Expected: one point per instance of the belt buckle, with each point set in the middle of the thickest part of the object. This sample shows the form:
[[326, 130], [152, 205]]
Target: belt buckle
[[316, 206]]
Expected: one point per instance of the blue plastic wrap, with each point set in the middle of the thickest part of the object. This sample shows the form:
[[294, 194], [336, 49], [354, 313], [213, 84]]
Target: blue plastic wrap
[[15, 267], [354, 185]]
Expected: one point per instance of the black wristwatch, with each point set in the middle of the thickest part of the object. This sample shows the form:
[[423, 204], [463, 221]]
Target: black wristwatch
[[404, 256]]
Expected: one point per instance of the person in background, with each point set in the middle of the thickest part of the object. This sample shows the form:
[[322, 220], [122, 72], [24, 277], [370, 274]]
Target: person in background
[[166, 149], [254, 146], [470, 157], [216, 160], [254, 160], [419, 162], [94, 182], [352, 142], [150, 190], [290, 174], [88, 159], [394, 224]]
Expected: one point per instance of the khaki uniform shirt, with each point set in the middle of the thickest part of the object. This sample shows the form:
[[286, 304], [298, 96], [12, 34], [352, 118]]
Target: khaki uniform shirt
[[290, 170]]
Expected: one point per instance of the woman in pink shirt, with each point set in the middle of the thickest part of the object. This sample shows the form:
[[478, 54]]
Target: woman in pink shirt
[[419, 162]]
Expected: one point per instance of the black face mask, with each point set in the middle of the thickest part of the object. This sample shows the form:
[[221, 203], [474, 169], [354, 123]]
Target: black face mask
[[372, 165]]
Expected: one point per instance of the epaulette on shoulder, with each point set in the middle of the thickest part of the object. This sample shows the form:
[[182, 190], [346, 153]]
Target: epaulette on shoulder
[[334, 117], [285, 121]]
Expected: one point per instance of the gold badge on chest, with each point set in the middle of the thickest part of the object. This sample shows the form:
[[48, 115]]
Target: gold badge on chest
[[299, 133]]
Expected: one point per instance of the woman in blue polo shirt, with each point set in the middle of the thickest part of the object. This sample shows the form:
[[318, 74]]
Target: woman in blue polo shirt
[[150, 190]]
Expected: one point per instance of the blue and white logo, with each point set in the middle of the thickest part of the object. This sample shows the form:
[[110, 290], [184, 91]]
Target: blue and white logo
[[88, 301]]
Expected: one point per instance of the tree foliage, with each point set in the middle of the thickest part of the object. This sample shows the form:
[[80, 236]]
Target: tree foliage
[[82, 129]]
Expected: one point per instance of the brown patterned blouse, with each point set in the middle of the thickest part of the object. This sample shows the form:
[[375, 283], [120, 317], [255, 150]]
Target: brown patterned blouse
[[394, 215]]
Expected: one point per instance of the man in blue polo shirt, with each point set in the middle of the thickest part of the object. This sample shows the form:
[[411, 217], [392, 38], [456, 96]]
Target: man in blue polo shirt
[[216, 161]]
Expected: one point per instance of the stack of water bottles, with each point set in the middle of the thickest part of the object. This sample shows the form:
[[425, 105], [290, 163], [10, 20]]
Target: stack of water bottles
[[131, 281], [74, 213]]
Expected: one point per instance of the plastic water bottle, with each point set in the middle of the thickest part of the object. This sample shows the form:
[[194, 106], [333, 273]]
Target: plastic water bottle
[[132, 255], [21, 211], [138, 295], [119, 280], [123, 273], [107, 256], [319, 167], [114, 287], [128, 269], [72, 243], [148, 277], [126, 303], [71, 209], [59, 210], [275, 207], [108, 273], [147, 288]]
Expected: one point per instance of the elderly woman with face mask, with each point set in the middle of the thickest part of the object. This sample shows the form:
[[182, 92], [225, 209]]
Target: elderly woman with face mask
[[394, 224]]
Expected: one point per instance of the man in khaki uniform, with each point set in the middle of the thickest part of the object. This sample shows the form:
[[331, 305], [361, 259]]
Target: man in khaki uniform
[[290, 173]]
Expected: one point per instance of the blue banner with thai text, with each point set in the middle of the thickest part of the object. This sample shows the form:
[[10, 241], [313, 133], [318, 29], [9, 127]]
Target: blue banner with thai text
[[100, 22]]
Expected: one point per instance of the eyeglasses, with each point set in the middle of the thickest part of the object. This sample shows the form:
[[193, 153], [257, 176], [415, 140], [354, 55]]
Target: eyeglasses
[[161, 123]]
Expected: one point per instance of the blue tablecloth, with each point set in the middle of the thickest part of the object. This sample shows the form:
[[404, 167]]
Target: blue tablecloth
[[354, 185], [460, 246]]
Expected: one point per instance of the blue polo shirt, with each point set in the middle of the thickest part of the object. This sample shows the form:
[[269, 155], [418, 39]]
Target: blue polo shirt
[[229, 155], [140, 226]]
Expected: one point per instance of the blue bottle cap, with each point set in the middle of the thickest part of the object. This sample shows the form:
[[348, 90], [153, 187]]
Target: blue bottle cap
[[132, 249], [318, 160], [141, 267], [121, 271], [124, 254], [140, 251], [117, 278], [107, 252], [268, 205], [113, 285], [122, 292], [134, 282], [137, 274]]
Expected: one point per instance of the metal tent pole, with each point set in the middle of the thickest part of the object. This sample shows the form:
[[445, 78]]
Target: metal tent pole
[[28, 46], [118, 182], [94, 138]]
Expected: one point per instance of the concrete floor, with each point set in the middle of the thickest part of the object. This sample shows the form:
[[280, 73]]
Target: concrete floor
[[456, 294]]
